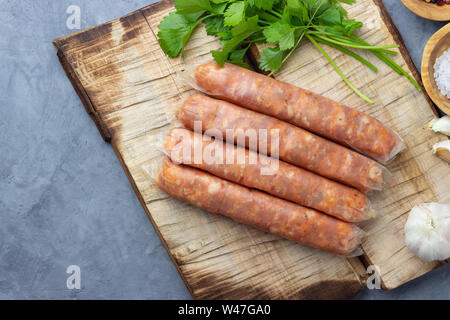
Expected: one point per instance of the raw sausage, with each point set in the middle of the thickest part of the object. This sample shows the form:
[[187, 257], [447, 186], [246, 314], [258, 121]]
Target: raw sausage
[[296, 146], [300, 107], [278, 178], [259, 209]]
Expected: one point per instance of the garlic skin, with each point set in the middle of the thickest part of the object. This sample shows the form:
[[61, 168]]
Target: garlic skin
[[441, 145], [427, 231], [441, 125], [442, 150]]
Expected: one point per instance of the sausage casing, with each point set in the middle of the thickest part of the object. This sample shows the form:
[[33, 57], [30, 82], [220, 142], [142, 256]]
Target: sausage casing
[[259, 209], [296, 146], [300, 107], [258, 171]]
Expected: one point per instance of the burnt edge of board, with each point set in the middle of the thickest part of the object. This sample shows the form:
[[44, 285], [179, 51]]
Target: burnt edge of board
[[59, 43], [104, 131], [147, 211]]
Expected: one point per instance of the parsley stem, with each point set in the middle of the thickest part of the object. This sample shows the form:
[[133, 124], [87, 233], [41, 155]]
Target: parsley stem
[[348, 52], [295, 47], [385, 59], [310, 26], [254, 40], [307, 26], [275, 13], [206, 17], [357, 46], [392, 64], [361, 41], [301, 35], [290, 52], [359, 93], [349, 40], [299, 39], [267, 17], [398, 69], [353, 41]]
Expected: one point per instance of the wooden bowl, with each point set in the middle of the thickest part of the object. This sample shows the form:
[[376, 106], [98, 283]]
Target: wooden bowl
[[434, 48], [428, 10]]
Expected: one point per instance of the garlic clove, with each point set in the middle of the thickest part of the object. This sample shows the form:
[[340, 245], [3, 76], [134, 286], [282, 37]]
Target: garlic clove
[[427, 231], [441, 125], [442, 150]]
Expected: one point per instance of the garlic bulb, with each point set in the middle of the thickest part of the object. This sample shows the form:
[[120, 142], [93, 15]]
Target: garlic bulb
[[427, 231], [441, 125]]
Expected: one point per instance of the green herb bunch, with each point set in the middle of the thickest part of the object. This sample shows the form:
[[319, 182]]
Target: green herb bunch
[[283, 23]]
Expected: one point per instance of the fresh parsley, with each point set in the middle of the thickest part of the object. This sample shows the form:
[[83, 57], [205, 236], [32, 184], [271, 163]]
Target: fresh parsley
[[235, 13], [283, 24]]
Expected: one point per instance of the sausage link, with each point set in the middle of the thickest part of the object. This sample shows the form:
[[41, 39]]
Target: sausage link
[[278, 178], [259, 209], [296, 146], [300, 107]]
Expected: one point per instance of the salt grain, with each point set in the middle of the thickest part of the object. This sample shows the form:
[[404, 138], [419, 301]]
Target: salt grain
[[442, 73]]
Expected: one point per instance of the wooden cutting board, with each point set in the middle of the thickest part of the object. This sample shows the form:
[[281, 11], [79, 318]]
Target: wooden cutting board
[[127, 85]]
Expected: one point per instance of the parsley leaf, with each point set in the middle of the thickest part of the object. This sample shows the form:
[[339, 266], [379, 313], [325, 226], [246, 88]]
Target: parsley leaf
[[215, 26], [282, 33], [271, 59], [250, 25], [234, 14], [175, 31], [240, 32], [192, 6], [219, 8], [330, 16], [317, 7], [297, 9], [351, 25], [220, 56], [262, 4], [237, 57]]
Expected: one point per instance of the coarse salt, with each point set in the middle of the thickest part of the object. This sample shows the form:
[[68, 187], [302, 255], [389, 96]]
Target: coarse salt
[[442, 73]]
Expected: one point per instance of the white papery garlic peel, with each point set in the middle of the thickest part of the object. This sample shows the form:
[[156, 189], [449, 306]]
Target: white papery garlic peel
[[441, 145], [442, 150], [427, 231], [441, 125]]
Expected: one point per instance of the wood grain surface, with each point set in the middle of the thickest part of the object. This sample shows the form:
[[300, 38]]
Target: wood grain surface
[[128, 86]]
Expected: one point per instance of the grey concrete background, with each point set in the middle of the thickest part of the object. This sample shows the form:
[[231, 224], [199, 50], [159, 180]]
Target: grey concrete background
[[64, 198]]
